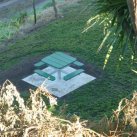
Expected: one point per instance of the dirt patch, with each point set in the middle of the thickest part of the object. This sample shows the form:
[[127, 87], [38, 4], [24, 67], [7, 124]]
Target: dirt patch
[[19, 71]]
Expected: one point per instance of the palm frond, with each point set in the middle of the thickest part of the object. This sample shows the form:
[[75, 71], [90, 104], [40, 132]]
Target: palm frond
[[115, 17]]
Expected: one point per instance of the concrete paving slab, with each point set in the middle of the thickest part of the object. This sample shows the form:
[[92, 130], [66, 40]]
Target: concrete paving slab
[[58, 87]]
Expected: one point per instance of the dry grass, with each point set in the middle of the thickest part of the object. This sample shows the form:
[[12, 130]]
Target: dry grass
[[32, 118], [123, 122]]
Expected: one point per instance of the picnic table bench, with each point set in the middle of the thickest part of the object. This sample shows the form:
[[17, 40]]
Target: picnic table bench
[[58, 61], [79, 64], [73, 74], [39, 64], [44, 74]]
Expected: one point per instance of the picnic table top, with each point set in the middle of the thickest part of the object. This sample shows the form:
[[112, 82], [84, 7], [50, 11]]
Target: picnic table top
[[58, 60]]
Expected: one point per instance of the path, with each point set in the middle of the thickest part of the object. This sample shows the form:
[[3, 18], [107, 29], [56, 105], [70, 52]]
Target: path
[[9, 3], [4, 4]]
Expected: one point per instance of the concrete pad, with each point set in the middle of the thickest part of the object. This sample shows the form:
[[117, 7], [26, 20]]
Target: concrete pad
[[58, 87]]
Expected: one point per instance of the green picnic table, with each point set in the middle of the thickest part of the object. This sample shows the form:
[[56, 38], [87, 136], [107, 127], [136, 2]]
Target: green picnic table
[[58, 61]]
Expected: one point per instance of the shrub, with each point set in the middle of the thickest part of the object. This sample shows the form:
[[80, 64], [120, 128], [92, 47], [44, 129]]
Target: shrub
[[32, 118]]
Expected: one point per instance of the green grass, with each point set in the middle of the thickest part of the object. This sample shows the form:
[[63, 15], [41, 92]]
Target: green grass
[[10, 27], [6, 30], [97, 98]]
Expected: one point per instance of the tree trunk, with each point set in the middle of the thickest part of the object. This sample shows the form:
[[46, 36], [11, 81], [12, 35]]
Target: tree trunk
[[34, 12], [55, 8], [132, 6]]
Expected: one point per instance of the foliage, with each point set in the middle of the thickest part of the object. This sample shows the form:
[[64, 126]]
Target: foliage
[[32, 118], [127, 111], [118, 29], [19, 19], [9, 28], [6, 30]]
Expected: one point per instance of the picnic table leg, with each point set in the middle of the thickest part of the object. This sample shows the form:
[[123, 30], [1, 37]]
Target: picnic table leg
[[58, 71], [59, 74], [53, 72], [64, 72]]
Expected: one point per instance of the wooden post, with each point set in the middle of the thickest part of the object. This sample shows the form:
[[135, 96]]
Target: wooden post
[[34, 12], [55, 8]]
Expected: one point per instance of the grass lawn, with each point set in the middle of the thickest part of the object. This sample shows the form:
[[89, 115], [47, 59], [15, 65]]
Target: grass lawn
[[97, 98]]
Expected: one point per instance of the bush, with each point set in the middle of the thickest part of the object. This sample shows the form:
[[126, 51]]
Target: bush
[[32, 118]]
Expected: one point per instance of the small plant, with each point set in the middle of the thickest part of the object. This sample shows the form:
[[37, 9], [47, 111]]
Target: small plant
[[6, 30], [22, 16], [20, 19]]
